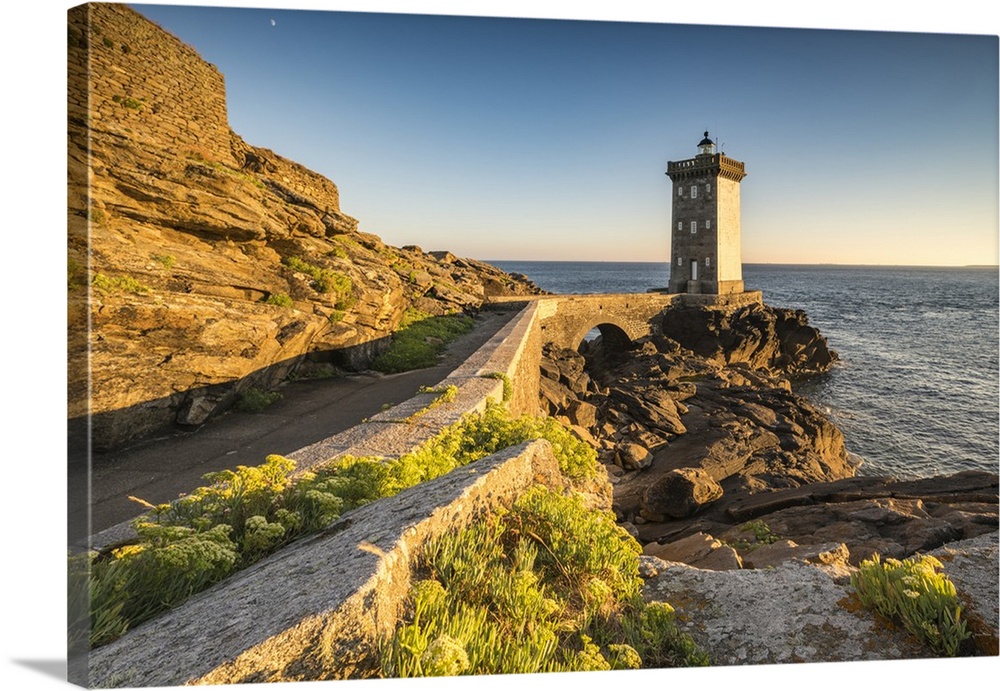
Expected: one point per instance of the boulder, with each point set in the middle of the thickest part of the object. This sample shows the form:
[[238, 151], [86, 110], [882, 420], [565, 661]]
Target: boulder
[[196, 410], [634, 456], [786, 550], [582, 413], [681, 492], [570, 366], [763, 337], [723, 558], [874, 515], [700, 550], [554, 396]]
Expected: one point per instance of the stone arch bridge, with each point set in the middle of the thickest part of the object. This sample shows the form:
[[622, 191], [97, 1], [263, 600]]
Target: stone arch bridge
[[565, 320]]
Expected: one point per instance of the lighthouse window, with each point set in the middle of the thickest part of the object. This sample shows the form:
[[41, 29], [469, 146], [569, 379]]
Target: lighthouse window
[[708, 261], [708, 224], [680, 261], [694, 227], [694, 191], [708, 187], [680, 225], [680, 191]]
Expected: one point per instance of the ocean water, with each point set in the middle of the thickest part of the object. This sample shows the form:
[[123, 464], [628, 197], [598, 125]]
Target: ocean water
[[917, 388]]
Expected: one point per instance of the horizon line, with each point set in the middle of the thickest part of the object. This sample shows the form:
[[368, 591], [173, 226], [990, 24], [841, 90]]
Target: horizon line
[[835, 264]]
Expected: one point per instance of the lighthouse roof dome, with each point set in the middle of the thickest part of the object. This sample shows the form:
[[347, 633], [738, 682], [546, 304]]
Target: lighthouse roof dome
[[706, 141]]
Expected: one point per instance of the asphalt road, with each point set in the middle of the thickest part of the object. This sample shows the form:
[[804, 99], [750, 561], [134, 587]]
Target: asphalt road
[[162, 469]]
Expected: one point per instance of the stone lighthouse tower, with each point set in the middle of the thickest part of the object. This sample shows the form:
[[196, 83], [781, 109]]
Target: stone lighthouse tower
[[705, 254]]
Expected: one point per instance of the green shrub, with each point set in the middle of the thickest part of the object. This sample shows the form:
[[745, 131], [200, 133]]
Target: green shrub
[[324, 280], [508, 388], [762, 535], [168, 565], [446, 394], [915, 593], [546, 586], [128, 101], [279, 300], [167, 260], [118, 284], [255, 400], [345, 302], [420, 340], [315, 371]]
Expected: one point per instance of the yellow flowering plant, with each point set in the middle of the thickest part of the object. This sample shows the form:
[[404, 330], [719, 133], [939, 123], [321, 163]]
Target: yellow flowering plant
[[915, 593]]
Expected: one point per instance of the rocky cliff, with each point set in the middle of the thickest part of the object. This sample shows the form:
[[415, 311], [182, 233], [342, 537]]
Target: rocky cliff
[[212, 265], [702, 433]]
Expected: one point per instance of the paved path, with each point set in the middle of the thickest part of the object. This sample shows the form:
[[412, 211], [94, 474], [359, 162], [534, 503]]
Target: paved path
[[160, 470]]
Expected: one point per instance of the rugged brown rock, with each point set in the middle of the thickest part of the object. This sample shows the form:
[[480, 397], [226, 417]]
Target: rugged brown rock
[[762, 337], [213, 265], [680, 493], [704, 436], [662, 408]]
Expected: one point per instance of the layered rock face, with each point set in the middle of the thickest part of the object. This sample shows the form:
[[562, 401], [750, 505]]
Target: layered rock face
[[719, 464], [715, 420], [212, 265], [779, 342]]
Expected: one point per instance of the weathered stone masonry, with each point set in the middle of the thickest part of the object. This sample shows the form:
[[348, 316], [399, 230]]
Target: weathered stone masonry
[[145, 82], [128, 77]]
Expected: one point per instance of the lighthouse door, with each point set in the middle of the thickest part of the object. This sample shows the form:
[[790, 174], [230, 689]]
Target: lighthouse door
[[694, 269]]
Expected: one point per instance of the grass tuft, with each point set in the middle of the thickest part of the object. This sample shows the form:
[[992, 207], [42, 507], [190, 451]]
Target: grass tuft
[[324, 280], [255, 400], [420, 341], [279, 300], [167, 260]]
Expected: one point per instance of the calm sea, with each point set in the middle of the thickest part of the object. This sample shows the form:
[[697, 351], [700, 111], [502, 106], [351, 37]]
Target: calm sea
[[916, 390]]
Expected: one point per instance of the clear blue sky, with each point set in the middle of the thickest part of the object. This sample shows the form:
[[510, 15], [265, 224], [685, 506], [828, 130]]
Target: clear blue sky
[[515, 138]]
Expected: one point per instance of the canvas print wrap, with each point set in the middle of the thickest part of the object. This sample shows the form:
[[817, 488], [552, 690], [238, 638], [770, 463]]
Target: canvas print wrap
[[300, 452]]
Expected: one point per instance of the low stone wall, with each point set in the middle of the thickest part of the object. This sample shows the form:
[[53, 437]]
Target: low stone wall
[[514, 353], [327, 597], [340, 590]]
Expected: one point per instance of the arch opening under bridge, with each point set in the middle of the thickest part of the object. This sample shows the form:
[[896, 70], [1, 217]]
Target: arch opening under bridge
[[613, 338]]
